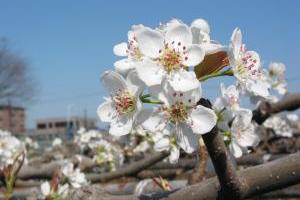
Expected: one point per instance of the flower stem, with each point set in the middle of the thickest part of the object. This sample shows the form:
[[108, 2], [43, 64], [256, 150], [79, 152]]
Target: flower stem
[[227, 72], [151, 101], [144, 99], [145, 96]]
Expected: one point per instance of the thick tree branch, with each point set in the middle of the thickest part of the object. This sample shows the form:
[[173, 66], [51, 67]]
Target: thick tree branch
[[223, 162], [260, 179], [289, 103], [130, 169]]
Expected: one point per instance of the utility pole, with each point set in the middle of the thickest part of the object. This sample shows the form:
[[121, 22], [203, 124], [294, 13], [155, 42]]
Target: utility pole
[[9, 115]]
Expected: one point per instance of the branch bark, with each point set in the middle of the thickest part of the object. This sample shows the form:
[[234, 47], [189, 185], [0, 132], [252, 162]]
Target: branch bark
[[130, 169], [289, 103]]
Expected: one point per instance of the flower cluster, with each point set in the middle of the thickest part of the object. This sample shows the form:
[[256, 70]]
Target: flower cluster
[[62, 182], [10, 149], [106, 154], [164, 67]]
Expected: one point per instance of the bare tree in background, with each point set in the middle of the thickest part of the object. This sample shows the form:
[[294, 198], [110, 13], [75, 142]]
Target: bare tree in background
[[16, 81]]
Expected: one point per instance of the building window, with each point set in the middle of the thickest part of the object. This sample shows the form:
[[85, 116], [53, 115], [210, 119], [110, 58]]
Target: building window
[[41, 126], [60, 124]]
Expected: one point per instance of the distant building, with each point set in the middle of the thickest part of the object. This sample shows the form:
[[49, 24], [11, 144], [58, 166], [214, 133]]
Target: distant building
[[61, 126], [12, 119]]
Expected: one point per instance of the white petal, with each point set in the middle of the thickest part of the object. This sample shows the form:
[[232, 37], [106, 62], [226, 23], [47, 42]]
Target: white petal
[[174, 155], [186, 139], [243, 118], [106, 111], [183, 80], [211, 48], [157, 92], [120, 49], [45, 188], [150, 42], [200, 24], [235, 149], [179, 33], [162, 145], [189, 98], [113, 81], [134, 83], [156, 120], [203, 119], [124, 66], [248, 137], [149, 72], [121, 126], [236, 41], [194, 55]]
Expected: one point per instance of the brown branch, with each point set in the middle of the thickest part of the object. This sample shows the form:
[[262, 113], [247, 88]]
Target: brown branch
[[289, 103], [260, 179], [223, 162], [130, 169]]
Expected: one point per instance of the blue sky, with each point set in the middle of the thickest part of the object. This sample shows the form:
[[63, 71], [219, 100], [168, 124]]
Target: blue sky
[[69, 43]]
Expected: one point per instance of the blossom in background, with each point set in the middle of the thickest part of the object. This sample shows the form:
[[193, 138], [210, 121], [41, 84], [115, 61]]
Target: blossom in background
[[10, 148], [180, 115], [74, 177], [230, 96], [123, 105], [276, 77], [242, 133], [246, 67], [279, 126], [168, 143], [107, 154], [167, 56], [57, 142], [58, 192]]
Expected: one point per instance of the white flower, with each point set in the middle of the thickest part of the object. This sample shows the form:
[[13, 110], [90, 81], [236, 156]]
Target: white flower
[[61, 193], [168, 143], [292, 117], [242, 133], [45, 189], [129, 49], [279, 126], [10, 148], [181, 116], [75, 178], [122, 107], [56, 142], [230, 96], [277, 77], [200, 30], [246, 67], [166, 56]]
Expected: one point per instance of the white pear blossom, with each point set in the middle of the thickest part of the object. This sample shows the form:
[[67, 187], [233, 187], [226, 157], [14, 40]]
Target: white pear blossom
[[74, 177], [277, 77], [201, 30], [61, 193], [167, 56], [106, 154], [10, 148], [246, 67], [130, 50], [123, 105], [230, 96], [242, 133], [181, 115], [57, 142], [279, 126], [168, 143]]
